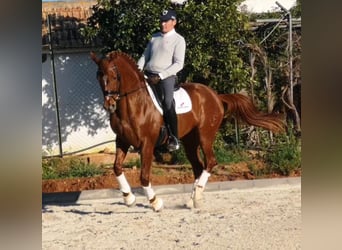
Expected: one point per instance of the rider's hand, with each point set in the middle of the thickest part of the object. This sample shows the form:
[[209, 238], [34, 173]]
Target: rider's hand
[[153, 79]]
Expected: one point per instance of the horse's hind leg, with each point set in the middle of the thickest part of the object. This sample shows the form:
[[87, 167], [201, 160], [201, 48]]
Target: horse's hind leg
[[191, 145], [206, 140], [121, 152], [192, 150]]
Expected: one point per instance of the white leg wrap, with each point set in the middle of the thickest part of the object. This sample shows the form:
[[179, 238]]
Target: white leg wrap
[[203, 178], [198, 197], [193, 188], [129, 200], [198, 193], [124, 186], [149, 192], [189, 204], [157, 205]]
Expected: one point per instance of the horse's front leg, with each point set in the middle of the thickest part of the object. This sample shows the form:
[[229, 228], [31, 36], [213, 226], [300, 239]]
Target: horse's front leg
[[128, 196], [146, 169]]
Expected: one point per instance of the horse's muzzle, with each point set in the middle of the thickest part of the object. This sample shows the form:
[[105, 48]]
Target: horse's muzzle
[[110, 104], [110, 108]]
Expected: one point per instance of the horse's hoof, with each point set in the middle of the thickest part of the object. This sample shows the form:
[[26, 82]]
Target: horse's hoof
[[130, 200], [189, 204], [198, 203], [157, 205], [198, 197]]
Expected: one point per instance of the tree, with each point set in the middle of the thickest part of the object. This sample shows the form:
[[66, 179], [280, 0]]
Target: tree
[[271, 45], [216, 35], [212, 30]]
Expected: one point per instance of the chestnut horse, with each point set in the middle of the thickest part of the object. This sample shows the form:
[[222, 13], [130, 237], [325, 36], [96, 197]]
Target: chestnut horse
[[136, 122]]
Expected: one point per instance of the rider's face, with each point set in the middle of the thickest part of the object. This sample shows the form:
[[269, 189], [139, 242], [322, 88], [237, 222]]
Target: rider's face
[[166, 26]]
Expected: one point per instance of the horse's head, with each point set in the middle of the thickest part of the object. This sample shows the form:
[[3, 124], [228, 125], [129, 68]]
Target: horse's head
[[109, 79]]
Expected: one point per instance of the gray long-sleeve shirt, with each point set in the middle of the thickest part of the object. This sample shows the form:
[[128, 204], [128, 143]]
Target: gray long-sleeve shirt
[[164, 54]]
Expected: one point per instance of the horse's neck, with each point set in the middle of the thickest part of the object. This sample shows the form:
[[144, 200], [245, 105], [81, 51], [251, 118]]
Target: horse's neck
[[135, 98], [132, 85], [135, 92], [131, 76]]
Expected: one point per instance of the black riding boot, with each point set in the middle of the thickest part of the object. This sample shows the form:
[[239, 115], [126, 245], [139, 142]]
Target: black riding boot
[[170, 118]]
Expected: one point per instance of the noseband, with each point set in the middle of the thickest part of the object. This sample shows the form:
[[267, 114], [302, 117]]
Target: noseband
[[111, 94]]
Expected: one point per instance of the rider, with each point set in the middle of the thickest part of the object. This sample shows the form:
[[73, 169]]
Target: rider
[[162, 59]]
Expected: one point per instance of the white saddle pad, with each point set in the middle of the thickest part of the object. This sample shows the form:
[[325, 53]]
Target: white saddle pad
[[182, 100]]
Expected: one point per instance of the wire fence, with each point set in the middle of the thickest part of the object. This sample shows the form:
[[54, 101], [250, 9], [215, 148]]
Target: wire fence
[[73, 119]]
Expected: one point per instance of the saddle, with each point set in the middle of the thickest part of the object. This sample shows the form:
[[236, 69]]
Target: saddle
[[182, 100]]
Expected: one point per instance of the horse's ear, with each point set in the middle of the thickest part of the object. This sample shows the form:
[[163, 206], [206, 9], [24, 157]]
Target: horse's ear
[[93, 57], [112, 55]]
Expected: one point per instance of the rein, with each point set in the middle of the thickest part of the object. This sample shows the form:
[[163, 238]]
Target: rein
[[128, 93], [116, 94]]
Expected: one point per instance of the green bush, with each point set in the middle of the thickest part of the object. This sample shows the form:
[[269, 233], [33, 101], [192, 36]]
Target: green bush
[[257, 171], [49, 168], [179, 157], [224, 153], [58, 168], [285, 158], [128, 26], [133, 163]]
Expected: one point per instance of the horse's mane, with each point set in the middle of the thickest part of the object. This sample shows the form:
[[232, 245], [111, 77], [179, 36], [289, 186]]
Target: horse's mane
[[116, 54]]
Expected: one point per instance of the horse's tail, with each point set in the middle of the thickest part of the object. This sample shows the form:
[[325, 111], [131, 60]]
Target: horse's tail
[[242, 108]]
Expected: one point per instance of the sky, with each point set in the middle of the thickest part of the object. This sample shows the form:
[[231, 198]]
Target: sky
[[258, 6]]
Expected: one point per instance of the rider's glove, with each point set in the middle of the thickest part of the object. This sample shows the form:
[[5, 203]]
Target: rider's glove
[[153, 79]]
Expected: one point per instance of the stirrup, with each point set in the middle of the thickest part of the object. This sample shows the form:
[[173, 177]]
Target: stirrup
[[173, 144]]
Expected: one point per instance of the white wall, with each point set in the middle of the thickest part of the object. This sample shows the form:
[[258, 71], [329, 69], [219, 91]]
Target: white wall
[[83, 120]]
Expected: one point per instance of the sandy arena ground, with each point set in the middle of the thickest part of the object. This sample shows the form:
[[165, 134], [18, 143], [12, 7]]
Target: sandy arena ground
[[253, 218]]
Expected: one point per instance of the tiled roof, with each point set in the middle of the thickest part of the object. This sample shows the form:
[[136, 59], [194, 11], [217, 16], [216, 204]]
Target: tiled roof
[[66, 19]]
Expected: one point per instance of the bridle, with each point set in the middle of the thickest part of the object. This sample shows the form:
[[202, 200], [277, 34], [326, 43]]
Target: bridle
[[115, 94]]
